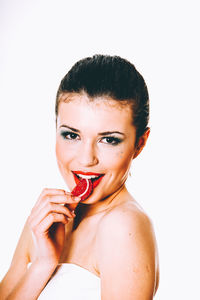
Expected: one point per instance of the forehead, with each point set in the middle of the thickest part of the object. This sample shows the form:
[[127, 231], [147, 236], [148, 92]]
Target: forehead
[[80, 110]]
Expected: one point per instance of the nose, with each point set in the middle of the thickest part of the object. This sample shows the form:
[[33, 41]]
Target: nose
[[87, 155]]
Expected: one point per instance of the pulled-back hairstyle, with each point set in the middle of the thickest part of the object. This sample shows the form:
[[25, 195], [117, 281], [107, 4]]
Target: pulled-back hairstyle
[[112, 76]]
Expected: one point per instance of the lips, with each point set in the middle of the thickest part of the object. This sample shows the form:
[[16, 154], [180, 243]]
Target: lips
[[94, 177]]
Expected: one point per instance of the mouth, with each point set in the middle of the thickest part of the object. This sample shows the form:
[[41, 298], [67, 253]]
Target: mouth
[[94, 177]]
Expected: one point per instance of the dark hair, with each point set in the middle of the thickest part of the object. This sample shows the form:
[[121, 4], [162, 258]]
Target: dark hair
[[112, 76]]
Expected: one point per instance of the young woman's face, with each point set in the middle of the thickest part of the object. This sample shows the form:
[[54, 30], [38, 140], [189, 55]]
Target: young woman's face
[[95, 138]]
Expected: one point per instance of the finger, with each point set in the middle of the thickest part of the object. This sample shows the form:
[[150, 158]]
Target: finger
[[63, 199], [38, 216], [47, 222], [48, 191], [73, 206], [59, 199]]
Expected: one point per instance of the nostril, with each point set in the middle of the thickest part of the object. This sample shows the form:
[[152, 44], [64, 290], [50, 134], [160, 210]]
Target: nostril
[[88, 161], [87, 157]]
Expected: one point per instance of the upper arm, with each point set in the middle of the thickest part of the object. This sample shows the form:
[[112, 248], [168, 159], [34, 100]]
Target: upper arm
[[126, 257], [19, 262]]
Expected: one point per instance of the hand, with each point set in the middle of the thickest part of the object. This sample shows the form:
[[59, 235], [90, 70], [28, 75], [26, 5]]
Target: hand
[[47, 223]]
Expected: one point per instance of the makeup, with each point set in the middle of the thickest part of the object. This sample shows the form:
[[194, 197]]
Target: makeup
[[85, 183]]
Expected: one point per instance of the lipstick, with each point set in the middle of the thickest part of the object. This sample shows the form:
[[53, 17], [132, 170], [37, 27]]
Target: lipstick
[[94, 177]]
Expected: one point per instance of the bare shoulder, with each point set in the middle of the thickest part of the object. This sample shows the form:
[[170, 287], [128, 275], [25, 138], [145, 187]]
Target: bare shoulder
[[126, 249], [127, 217]]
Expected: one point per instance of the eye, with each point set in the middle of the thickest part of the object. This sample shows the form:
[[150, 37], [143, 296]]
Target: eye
[[69, 135], [111, 140]]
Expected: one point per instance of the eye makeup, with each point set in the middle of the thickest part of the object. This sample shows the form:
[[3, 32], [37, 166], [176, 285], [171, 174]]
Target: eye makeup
[[107, 137], [69, 135], [111, 140]]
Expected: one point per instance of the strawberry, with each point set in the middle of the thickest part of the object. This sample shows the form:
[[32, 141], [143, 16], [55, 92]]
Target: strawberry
[[83, 189]]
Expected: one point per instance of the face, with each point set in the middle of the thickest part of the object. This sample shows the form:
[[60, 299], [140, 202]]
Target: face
[[95, 138]]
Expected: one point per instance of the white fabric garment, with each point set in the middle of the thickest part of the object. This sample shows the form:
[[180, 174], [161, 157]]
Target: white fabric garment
[[72, 282]]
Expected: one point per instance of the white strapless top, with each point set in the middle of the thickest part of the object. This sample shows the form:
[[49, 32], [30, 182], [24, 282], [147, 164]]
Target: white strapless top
[[72, 282]]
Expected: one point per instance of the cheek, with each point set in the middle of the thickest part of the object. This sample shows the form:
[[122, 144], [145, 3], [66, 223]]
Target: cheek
[[124, 160], [62, 154], [121, 155], [58, 151], [119, 161]]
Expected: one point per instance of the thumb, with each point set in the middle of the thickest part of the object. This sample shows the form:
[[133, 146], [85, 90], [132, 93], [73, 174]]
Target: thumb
[[72, 206]]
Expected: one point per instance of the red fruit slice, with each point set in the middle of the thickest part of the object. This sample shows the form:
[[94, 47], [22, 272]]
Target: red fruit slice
[[83, 189]]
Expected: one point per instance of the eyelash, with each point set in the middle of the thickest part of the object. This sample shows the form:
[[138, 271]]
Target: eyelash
[[110, 140], [68, 135]]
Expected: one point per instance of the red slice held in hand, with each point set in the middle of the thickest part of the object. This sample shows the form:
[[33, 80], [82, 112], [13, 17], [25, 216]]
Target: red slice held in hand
[[83, 189]]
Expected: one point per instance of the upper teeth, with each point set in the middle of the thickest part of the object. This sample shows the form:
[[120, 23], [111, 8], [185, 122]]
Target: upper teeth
[[87, 176]]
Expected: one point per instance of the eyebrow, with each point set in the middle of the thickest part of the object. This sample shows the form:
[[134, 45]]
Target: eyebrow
[[101, 133], [71, 128]]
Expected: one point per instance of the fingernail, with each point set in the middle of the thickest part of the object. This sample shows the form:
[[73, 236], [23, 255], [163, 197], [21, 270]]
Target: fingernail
[[76, 199], [67, 193], [73, 214]]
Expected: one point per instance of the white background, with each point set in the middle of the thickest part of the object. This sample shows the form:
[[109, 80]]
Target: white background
[[40, 41]]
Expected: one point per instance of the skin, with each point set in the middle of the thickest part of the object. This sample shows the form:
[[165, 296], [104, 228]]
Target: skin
[[109, 219], [89, 150]]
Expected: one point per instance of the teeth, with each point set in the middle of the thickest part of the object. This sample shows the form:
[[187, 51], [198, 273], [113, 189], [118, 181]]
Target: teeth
[[87, 176]]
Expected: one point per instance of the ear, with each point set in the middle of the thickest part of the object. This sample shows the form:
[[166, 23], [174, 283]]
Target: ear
[[141, 143]]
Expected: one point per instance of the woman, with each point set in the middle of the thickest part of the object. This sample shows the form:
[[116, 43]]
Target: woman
[[96, 242]]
